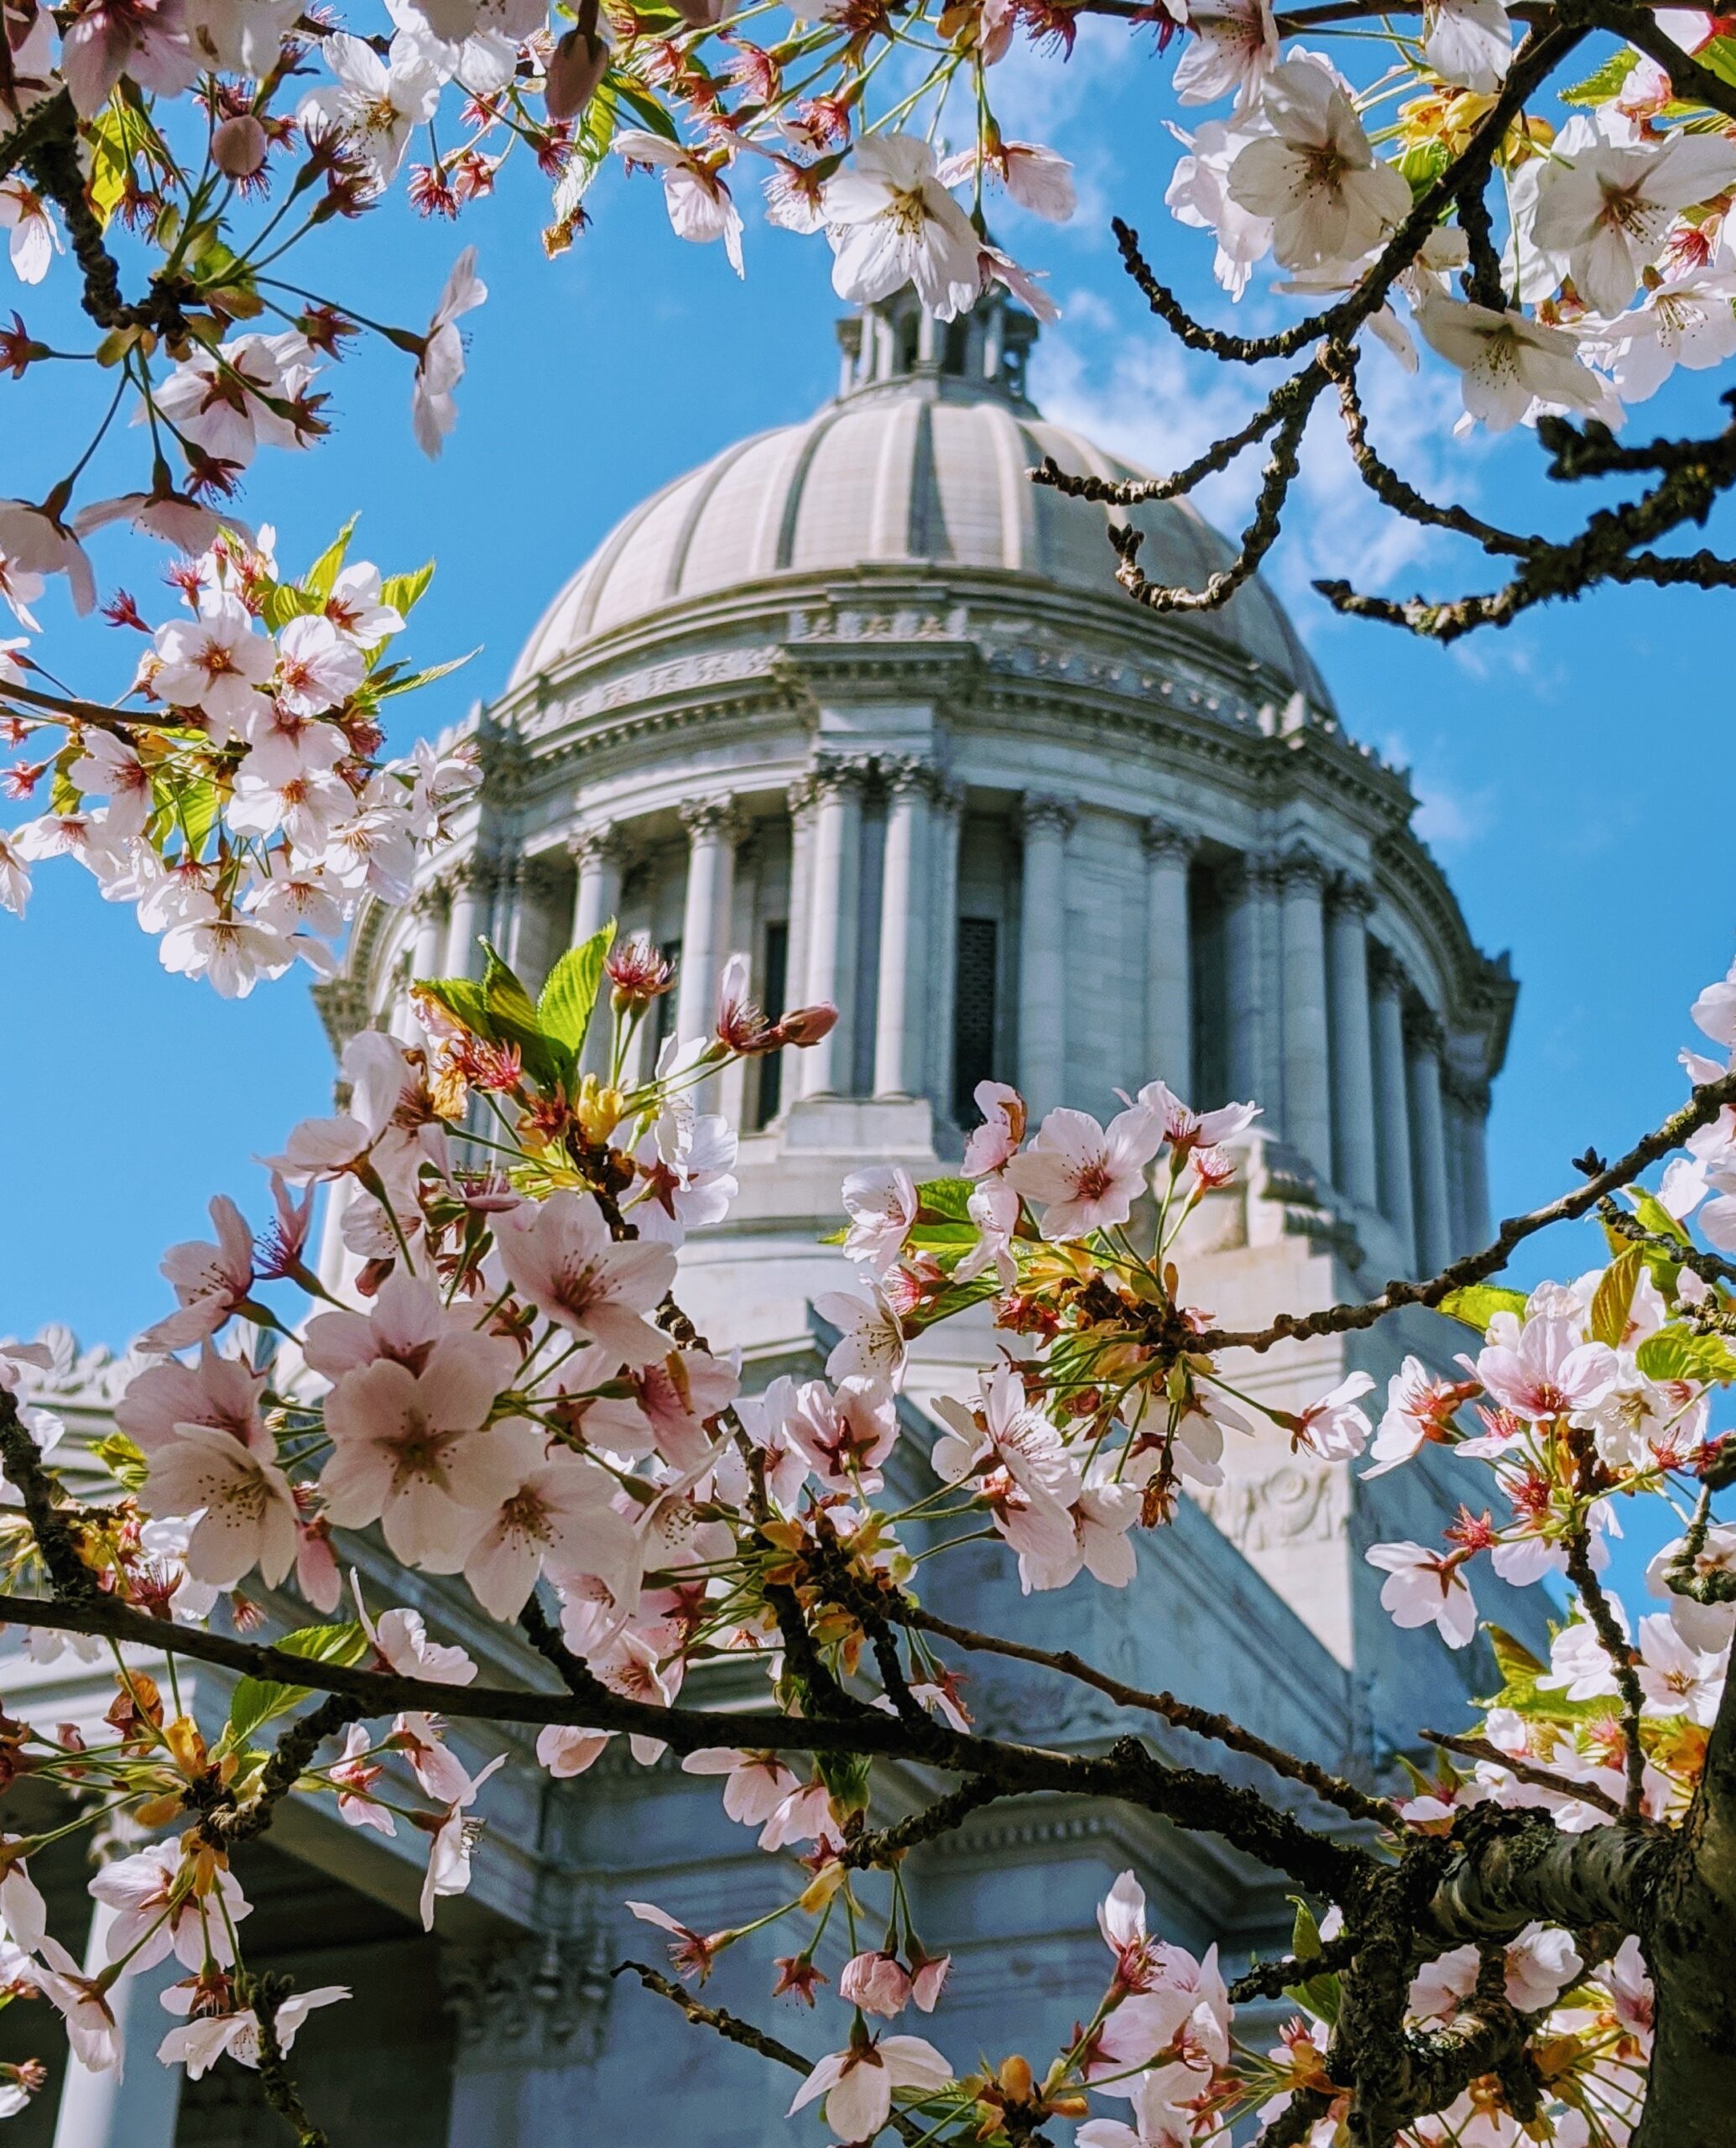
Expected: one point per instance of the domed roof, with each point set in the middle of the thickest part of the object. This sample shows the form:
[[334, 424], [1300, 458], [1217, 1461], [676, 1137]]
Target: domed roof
[[921, 460]]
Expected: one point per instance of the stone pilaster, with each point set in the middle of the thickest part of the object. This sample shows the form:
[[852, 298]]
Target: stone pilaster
[[472, 880], [945, 823], [1307, 1075], [1169, 956], [1392, 1096], [1423, 1039], [906, 930], [599, 856], [713, 828], [1042, 954], [833, 933], [1355, 1160], [529, 2016]]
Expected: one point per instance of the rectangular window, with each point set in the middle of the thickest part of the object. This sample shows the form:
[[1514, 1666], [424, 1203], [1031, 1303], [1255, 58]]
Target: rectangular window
[[663, 1010], [771, 1067], [973, 1014], [1209, 1074]]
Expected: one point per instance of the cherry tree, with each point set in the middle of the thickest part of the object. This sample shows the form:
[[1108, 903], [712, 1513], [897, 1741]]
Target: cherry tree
[[1532, 1941]]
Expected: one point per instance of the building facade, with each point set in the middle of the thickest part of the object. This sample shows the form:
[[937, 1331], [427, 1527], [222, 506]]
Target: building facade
[[858, 701]]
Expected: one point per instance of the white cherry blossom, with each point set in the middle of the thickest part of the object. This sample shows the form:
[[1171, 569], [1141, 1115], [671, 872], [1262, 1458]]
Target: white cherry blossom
[[1608, 209], [1328, 197], [857, 2083], [891, 222]]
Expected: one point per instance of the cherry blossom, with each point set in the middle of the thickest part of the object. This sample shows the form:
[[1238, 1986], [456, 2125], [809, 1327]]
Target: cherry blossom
[[554, 1511], [700, 204], [210, 1280], [1607, 208], [1544, 1370], [560, 1255], [871, 1344], [1084, 1176], [202, 2040], [1423, 1588], [891, 222], [162, 1908], [1507, 362], [858, 2083], [247, 1510], [1314, 176], [1233, 48], [450, 1846], [881, 1203], [1334, 1428], [440, 365]]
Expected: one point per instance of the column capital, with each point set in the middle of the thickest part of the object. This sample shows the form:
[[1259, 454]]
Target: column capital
[[842, 772], [1386, 972], [1424, 1029], [431, 901], [1347, 896], [910, 775], [479, 875], [536, 873], [716, 817], [604, 845], [1300, 867], [1038, 811], [538, 2002], [1163, 842], [1469, 1092]]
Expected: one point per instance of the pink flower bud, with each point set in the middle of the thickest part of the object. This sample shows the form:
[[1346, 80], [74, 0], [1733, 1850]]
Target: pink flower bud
[[804, 1025], [878, 1983], [238, 147]]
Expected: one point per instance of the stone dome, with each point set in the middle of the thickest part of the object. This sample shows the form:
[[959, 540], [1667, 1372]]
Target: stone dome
[[920, 461]]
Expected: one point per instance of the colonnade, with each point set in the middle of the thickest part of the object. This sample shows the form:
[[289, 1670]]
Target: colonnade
[[1322, 1024]]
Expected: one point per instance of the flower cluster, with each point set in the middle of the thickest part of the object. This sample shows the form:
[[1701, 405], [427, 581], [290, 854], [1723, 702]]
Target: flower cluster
[[237, 797], [507, 1390]]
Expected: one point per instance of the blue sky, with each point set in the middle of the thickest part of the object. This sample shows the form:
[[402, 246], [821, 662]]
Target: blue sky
[[1570, 768]]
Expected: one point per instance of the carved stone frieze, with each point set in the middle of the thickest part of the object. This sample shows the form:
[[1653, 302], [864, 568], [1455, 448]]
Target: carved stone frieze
[[1293, 1504], [541, 2001]]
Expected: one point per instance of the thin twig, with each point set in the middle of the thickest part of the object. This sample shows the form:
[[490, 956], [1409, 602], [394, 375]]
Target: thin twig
[[1481, 1749]]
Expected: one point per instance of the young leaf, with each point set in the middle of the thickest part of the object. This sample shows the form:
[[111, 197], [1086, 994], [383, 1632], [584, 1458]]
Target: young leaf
[[1477, 1303], [257, 1700], [947, 1198], [515, 1019], [463, 998], [567, 998], [322, 575], [403, 592], [1677, 1353], [426, 676], [1598, 88], [1320, 1994], [1614, 1299]]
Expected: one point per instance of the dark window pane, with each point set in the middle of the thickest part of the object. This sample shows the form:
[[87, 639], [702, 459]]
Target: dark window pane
[[973, 1014], [771, 1068], [663, 1014]]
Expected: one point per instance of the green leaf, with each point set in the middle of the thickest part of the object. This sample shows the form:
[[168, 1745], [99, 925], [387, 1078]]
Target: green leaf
[[644, 107], [116, 136], [1678, 1353], [426, 677], [1614, 1299], [1322, 1994], [564, 1004], [404, 591], [194, 807], [954, 1299], [1478, 1304], [947, 1198], [1719, 57], [123, 1460], [1656, 1218], [284, 601], [463, 998], [256, 1701], [515, 1020], [1598, 88], [321, 577], [1422, 164]]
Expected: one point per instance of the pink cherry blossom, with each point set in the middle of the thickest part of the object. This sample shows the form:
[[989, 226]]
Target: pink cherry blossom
[[871, 1336], [881, 1203], [1083, 1177], [559, 1255], [159, 1912], [246, 1511], [554, 1510], [1548, 1372], [990, 1145], [1334, 1428], [409, 1452], [878, 1983], [210, 1280], [757, 1784], [222, 1392]]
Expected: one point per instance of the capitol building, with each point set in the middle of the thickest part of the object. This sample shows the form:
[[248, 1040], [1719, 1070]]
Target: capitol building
[[858, 701]]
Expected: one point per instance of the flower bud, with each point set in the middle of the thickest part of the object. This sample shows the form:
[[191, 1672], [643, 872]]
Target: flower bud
[[876, 1983], [238, 148], [576, 66], [804, 1025]]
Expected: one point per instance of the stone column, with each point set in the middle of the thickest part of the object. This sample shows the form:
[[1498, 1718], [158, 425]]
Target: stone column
[[835, 884], [430, 941], [712, 828], [528, 2018], [1043, 954], [1307, 1073], [102, 2110], [1355, 1164], [1428, 1138], [803, 798], [1169, 957], [597, 856], [901, 1004], [1479, 1223], [945, 819], [1255, 1059], [1392, 1096], [472, 882], [527, 946]]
